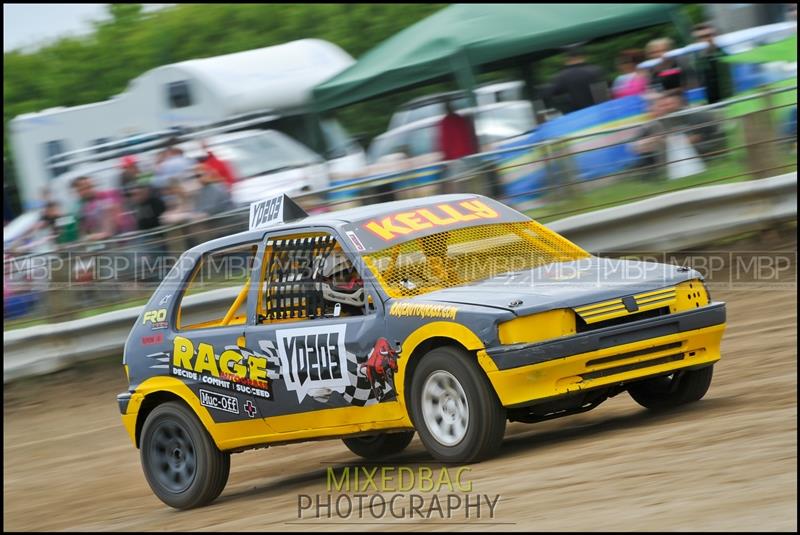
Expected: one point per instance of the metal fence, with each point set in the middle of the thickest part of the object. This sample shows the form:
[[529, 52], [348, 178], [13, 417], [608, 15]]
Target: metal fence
[[549, 180]]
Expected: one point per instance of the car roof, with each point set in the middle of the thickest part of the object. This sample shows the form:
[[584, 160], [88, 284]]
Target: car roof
[[498, 86], [242, 134], [336, 220], [430, 99], [440, 97]]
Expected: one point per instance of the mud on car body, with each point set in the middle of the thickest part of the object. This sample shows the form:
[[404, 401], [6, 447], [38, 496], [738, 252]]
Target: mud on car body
[[447, 316]]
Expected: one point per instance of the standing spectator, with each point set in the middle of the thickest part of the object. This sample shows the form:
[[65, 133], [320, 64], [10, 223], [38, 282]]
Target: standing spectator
[[700, 128], [212, 197], [221, 168], [100, 215], [457, 139], [179, 203], [147, 206], [63, 226], [656, 48], [43, 236], [456, 135], [714, 73], [173, 165], [130, 172], [670, 73], [631, 80], [581, 84]]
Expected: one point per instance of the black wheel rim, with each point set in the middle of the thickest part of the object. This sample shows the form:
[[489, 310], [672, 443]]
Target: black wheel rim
[[172, 456]]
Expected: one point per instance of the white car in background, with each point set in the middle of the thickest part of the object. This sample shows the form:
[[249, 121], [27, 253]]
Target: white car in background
[[494, 123], [433, 105]]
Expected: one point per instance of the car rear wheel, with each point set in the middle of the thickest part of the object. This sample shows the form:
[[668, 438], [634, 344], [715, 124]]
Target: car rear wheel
[[379, 445], [679, 388], [182, 464], [454, 409]]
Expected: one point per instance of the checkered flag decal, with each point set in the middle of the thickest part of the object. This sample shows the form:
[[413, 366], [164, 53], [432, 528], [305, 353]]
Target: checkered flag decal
[[269, 350], [359, 393]]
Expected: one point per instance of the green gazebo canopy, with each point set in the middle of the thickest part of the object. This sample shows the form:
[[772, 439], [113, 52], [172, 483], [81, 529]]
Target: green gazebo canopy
[[462, 36]]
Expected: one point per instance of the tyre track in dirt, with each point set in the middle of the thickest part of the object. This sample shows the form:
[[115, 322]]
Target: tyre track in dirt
[[728, 462]]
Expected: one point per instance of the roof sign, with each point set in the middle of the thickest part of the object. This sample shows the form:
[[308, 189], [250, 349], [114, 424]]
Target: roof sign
[[441, 215], [393, 226], [269, 212]]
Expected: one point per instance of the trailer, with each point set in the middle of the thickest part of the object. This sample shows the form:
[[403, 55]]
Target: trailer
[[272, 83]]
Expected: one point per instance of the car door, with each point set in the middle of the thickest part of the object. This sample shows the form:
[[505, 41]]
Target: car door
[[206, 344], [311, 320]]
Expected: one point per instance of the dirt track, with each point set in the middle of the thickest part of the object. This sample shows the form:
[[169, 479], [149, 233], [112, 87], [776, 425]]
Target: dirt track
[[728, 462]]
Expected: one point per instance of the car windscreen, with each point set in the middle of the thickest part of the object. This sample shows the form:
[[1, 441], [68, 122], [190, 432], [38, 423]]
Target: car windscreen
[[423, 141], [505, 121], [467, 255], [264, 153], [385, 145]]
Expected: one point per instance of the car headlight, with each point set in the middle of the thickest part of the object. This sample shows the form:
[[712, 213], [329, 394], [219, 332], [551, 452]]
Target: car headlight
[[537, 327]]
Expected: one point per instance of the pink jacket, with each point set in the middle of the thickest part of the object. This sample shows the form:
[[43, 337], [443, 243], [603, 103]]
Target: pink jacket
[[635, 86]]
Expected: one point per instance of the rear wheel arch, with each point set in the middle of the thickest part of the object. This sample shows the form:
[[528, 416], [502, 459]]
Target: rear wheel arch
[[149, 403]]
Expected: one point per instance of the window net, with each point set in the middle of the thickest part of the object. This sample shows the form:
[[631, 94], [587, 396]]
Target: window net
[[466, 255]]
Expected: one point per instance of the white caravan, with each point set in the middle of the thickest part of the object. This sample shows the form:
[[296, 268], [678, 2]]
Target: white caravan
[[274, 80]]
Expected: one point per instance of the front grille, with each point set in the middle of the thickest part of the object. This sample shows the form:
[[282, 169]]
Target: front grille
[[629, 354], [581, 325], [614, 308], [630, 367], [625, 309]]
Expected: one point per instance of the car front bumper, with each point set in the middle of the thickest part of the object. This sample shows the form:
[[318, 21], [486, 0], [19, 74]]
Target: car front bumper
[[526, 373]]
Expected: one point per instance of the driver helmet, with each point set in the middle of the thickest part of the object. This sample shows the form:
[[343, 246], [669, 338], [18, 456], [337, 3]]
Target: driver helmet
[[341, 283]]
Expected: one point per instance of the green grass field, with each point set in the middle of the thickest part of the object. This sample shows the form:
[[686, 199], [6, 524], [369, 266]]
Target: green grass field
[[589, 197]]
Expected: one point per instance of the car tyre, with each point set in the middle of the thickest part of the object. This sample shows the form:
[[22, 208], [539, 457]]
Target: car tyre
[[181, 463], [679, 388], [454, 408], [380, 445]]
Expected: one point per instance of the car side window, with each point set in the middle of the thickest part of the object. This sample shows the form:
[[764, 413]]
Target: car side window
[[308, 277], [225, 271], [423, 141]]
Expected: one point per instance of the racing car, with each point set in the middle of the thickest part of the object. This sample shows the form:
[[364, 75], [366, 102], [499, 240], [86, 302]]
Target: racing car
[[446, 316]]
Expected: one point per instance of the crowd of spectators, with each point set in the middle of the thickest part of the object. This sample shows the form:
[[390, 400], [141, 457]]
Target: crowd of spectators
[[664, 83], [176, 189], [580, 84]]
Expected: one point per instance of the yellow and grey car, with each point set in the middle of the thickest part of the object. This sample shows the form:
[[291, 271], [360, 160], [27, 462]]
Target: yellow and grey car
[[446, 316]]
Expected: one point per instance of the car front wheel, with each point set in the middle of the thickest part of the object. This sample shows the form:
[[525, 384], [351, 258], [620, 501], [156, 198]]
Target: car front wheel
[[454, 408], [180, 460], [678, 388]]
